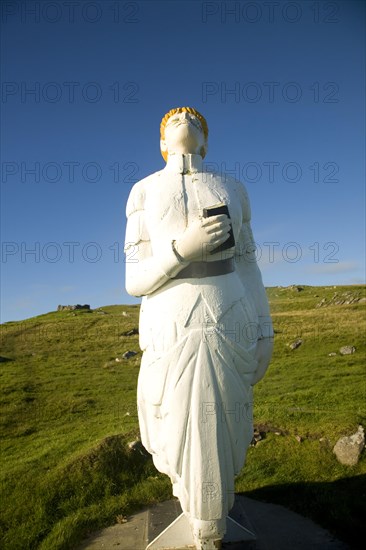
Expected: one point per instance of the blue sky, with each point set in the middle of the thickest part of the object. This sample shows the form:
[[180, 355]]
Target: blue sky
[[281, 84]]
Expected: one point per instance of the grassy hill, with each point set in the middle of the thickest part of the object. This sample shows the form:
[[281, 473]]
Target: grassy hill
[[68, 413]]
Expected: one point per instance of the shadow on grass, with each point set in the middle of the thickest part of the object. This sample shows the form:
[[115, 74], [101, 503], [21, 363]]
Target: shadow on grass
[[338, 506]]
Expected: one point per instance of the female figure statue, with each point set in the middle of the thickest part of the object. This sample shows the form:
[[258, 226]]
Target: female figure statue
[[205, 328]]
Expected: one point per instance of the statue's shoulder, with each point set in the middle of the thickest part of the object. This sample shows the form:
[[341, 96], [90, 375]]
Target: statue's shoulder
[[136, 199], [240, 192], [233, 183]]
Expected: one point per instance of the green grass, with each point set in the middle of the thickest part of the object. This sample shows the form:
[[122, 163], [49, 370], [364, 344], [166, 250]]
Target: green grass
[[68, 411]]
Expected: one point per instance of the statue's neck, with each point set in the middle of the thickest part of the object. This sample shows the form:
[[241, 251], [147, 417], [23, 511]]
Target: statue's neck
[[184, 164]]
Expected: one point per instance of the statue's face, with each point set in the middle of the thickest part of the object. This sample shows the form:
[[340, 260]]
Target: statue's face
[[183, 134]]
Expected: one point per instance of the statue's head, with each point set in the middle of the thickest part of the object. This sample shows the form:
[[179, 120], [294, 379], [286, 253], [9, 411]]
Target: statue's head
[[183, 130]]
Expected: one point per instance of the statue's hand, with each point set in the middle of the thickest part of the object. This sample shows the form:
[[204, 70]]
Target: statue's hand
[[263, 356], [201, 235]]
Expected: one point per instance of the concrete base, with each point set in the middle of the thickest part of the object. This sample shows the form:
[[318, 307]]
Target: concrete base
[[237, 533], [178, 535], [276, 528]]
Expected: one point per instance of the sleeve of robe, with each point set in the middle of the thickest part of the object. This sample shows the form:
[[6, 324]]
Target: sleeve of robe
[[246, 265], [145, 272]]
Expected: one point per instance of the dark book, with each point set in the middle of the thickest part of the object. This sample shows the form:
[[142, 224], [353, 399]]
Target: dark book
[[215, 210]]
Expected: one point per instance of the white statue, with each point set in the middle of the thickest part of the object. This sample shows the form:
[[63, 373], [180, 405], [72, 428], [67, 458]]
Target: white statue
[[205, 328]]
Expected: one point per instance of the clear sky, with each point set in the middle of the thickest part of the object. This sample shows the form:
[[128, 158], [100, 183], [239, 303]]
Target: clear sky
[[84, 87]]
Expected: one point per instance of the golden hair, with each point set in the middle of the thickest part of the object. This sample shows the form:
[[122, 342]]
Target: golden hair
[[172, 112]]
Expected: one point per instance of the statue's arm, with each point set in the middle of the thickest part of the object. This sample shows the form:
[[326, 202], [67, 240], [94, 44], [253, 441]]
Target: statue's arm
[[145, 271], [246, 266]]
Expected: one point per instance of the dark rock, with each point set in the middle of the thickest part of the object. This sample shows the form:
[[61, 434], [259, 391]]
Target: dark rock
[[129, 354], [257, 437], [137, 447], [130, 332], [4, 359]]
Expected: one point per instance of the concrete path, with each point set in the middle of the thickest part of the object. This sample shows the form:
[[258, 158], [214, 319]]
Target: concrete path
[[276, 528]]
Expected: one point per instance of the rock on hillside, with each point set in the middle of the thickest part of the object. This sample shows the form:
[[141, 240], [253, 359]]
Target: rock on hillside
[[345, 298], [72, 308], [348, 449]]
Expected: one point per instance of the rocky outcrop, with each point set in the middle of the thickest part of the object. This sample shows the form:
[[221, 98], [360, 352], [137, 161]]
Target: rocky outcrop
[[72, 308], [345, 298]]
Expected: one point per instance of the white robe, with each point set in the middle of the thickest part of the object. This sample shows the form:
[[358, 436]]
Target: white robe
[[198, 336]]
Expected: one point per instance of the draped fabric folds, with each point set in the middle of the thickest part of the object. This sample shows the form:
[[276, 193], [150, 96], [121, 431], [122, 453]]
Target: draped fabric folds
[[198, 335], [195, 398]]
